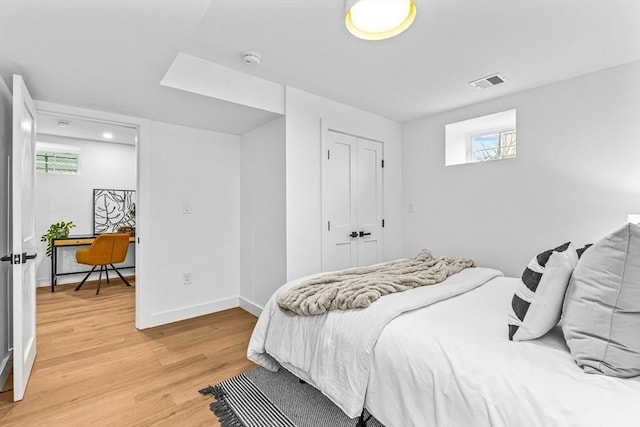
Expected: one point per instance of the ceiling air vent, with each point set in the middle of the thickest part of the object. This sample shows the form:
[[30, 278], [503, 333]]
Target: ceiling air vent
[[485, 82]]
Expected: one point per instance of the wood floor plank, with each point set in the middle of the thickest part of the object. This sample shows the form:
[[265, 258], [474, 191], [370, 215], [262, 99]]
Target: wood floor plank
[[94, 367]]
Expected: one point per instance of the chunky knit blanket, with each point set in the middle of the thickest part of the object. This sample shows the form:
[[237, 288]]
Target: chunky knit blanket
[[359, 287]]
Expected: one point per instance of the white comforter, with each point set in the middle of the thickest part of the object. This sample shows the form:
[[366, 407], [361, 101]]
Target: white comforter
[[465, 372], [333, 352]]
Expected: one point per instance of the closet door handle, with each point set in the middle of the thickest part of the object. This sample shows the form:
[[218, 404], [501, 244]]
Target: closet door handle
[[18, 258], [353, 234], [26, 257], [362, 234]]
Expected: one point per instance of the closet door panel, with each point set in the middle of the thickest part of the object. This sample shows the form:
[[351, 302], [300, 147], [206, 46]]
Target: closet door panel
[[339, 202], [369, 202]]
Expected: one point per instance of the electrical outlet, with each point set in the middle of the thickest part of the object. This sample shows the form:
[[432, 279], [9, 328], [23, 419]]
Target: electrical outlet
[[186, 278]]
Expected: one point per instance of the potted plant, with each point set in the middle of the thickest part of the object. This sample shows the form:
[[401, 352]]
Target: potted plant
[[55, 231]]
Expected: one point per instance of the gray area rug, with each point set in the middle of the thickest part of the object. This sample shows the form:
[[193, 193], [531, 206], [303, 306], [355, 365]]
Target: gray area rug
[[260, 398]]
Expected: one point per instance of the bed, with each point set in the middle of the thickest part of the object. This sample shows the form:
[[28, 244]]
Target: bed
[[439, 356]]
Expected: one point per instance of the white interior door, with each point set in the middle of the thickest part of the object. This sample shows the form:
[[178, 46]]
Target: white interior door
[[369, 206], [339, 247], [22, 234], [352, 203]]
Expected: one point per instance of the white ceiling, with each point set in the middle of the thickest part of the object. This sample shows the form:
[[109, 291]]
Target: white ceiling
[[112, 55]]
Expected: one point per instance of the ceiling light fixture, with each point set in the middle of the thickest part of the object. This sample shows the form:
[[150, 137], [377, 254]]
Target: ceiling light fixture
[[379, 19], [107, 135]]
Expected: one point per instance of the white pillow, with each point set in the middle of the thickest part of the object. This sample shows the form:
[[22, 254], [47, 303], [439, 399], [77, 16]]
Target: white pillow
[[601, 313], [537, 303]]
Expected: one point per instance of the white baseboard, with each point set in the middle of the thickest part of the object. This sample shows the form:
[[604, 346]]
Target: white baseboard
[[251, 307], [75, 278], [183, 313], [5, 368]]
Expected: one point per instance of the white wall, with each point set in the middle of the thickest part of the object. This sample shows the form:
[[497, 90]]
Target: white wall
[[304, 113], [262, 209], [181, 165], [6, 317], [66, 197], [576, 177]]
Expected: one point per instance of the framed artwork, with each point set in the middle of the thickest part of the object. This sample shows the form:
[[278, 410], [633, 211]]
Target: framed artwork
[[113, 210]]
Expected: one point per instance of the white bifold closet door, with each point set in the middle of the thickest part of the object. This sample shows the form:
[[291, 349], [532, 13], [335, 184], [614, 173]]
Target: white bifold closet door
[[352, 202]]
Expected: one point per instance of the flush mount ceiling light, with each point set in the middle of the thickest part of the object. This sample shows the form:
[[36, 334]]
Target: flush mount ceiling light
[[379, 19], [107, 135]]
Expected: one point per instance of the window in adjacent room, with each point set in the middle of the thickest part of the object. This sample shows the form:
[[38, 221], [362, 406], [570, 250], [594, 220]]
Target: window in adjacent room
[[490, 137], [57, 158]]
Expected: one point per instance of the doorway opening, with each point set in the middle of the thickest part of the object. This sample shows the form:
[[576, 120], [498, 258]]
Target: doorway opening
[[86, 175]]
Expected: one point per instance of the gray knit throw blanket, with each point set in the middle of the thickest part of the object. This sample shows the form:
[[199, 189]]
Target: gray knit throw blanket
[[359, 287]]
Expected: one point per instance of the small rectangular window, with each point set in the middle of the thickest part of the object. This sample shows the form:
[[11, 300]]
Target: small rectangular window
[[490, 137], [495, 146], [57, 163], [57, 158]]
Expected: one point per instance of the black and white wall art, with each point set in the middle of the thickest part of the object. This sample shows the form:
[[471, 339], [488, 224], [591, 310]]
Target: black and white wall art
[[113, 209]]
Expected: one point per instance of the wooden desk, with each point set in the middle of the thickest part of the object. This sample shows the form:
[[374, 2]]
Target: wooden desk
[[69, 241]]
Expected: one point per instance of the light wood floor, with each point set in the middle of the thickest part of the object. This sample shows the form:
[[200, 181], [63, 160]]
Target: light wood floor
[[93, 368]]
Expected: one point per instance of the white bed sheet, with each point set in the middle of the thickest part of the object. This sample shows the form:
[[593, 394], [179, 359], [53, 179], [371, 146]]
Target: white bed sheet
[[333, 351], [451, 364]]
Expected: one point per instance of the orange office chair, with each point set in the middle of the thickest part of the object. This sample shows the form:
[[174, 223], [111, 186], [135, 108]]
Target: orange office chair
[[106, 250]]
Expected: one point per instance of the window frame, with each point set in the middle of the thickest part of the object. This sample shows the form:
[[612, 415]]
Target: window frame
[[458, 135], [486, 132], [54, 151]]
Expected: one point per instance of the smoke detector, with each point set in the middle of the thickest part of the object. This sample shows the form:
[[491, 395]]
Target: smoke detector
[[485, 82], [251, 58]]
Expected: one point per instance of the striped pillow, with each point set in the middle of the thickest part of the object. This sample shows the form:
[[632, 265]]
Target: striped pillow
[[583, 249], [537, 302]]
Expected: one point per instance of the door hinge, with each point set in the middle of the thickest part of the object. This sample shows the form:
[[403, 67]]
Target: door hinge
[[328, 154], [383, 223], [383, 163], [328, 225]]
